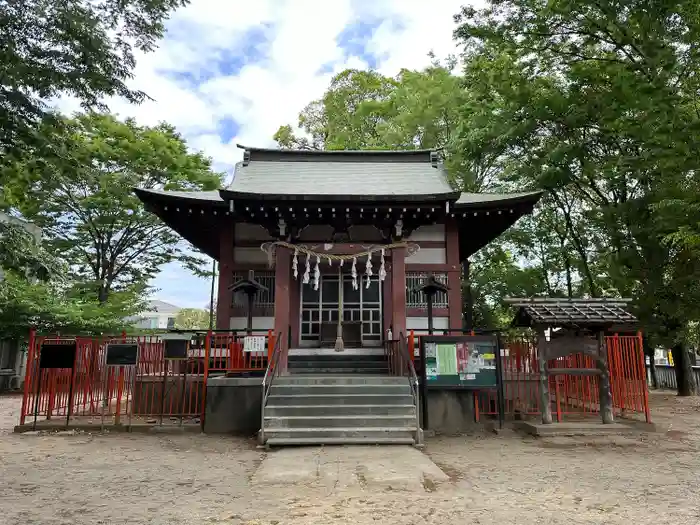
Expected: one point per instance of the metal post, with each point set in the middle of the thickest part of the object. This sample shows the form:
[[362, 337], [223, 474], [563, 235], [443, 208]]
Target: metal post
[[133, 382], [104, 392], [184, 386], [162, 391], [69, 409], [249, 323], [38, 392], [500, 394]]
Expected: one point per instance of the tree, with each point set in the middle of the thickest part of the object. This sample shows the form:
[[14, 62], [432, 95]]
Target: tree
[[415, 109], [56, 306], [192, 319], [597, 104], [81, 48], [21, 250], [87, 207]]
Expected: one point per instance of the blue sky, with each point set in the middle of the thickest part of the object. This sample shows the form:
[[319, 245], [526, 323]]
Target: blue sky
[[232, 72]]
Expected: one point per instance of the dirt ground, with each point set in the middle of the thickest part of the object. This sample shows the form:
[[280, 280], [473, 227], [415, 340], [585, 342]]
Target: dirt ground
[[493, 479]]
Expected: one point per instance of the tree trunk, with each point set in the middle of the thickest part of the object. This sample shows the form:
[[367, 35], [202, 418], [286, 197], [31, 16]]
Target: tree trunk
[[468, 297], [684, 373]]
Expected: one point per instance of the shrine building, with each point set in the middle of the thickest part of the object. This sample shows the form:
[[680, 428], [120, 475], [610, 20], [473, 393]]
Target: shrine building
[[304, 220], [329, 254]]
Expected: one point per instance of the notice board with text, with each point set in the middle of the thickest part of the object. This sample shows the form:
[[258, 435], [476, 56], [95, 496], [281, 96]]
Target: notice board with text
[[466, 361]]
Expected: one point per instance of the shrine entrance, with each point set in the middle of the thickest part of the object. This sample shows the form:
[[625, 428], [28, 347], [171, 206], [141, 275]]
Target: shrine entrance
[[361, 308]]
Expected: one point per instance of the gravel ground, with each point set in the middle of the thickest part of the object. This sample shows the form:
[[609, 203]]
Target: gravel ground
[[72, 478]]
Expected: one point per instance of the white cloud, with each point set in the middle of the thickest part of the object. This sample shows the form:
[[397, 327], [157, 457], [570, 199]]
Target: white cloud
[[293, 56]]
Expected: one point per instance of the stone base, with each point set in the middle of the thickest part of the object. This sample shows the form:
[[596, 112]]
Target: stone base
[[579, 428], [233, 406]]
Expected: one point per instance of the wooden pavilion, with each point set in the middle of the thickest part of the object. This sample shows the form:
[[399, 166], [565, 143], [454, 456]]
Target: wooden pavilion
[[349, 233]]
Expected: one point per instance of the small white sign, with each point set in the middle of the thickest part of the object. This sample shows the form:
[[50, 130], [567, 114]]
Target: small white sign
[[471, 377], [504, 352], [254, 343]]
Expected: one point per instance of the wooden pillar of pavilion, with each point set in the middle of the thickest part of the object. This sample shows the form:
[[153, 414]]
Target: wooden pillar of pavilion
[[225, 295], [454, 276], [398, 291], [283, 277]]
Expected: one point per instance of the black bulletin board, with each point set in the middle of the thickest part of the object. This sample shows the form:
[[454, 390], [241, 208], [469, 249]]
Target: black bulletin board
[[122, 354], [58, 355], [176, 348]]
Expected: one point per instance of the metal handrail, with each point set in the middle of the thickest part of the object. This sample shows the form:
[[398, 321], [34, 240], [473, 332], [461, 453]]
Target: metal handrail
[[270, 373], [415, 384]]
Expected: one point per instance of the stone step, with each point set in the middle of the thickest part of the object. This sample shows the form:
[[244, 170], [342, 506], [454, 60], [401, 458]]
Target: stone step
[[322, 436], [352, 389], [303, 398], [338, 363], [311, 440], [350, 379], [334, 421], [339, 410], [336, 356], [339, 371]]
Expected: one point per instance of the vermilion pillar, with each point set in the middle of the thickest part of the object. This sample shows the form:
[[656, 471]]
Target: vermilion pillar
[[454, 277], [224, 297], [398, 291], [283, 276]]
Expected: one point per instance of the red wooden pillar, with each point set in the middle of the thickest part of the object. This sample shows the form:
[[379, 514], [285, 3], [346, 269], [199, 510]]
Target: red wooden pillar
[[454, 276], [224, 296], [283, 275], [398, 291], [295, 310], [387, 300]]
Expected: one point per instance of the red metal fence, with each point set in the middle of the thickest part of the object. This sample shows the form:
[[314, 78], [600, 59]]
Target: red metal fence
[[162, 388], [155, 387], [570, 395]]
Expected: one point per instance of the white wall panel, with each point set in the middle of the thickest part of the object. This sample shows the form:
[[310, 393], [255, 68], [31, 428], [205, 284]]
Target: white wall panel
[[428, 256], [433, 232], [259, 323]]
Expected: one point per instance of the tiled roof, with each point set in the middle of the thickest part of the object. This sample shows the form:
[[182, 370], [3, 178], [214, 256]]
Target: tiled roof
[[212, 196], [351, 174], [468, 200], [571, 312]]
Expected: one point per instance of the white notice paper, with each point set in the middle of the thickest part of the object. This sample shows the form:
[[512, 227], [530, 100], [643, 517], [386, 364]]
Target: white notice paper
[[254, 343]]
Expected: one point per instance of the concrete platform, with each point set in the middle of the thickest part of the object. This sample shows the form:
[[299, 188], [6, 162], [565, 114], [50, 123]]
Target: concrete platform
[[397, 467], [580, 428], [169, 426]]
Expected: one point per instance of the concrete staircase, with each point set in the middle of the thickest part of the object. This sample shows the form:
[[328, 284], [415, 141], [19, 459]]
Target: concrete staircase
[[339, 399]]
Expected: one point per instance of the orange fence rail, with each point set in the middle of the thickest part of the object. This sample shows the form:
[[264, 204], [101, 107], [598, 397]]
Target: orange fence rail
[[570, 395], [154, 387]]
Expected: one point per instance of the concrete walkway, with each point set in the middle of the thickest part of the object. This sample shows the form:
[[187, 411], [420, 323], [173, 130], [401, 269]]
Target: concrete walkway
[[394, 467]]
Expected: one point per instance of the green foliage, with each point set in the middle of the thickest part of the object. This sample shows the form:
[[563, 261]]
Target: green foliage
[[56, 307], [81, 48], [597, 103], [21, 250], [419, 109], [192, 319], [87, 207]]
